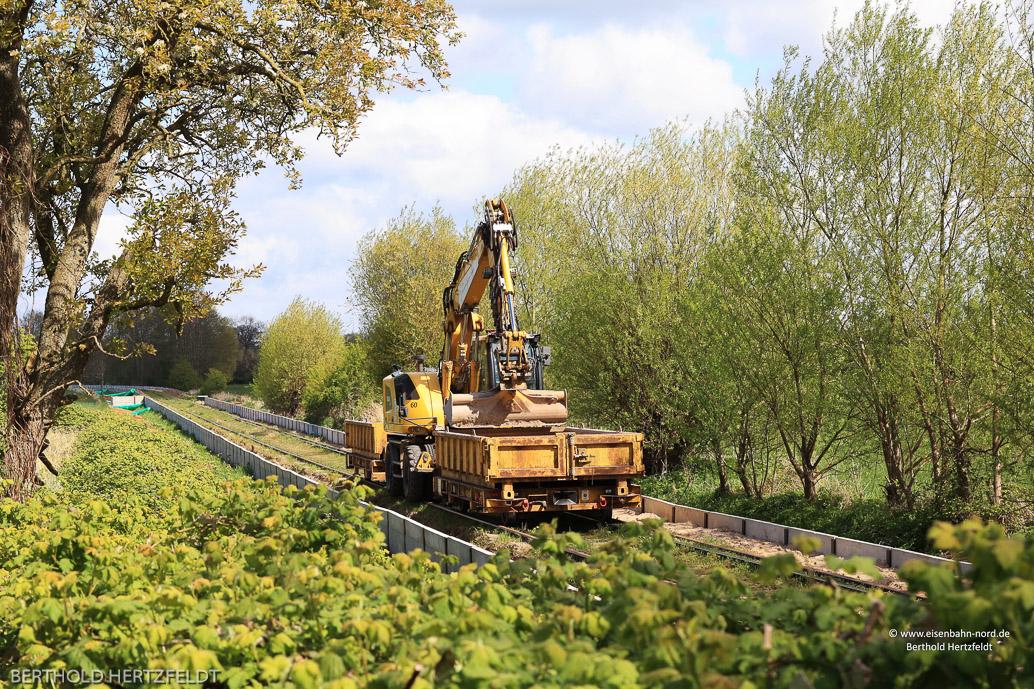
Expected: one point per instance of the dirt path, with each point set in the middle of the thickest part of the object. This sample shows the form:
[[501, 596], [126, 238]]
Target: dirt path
[[752, 545]]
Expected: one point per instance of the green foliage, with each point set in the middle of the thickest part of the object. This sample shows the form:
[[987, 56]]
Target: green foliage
[[183, 376], [272, 588], [295, 588], [76, 416], [346, 391], [162, 108], [611, 240], [299, 348], [119, 458], [206, 343], [397, 282], [215, 382], [841, 277]]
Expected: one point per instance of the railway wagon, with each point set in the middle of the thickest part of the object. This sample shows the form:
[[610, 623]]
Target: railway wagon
[[505, 472], [365, 443]]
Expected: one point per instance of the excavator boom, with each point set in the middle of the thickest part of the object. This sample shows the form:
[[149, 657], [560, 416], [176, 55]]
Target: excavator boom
[[509, 359]]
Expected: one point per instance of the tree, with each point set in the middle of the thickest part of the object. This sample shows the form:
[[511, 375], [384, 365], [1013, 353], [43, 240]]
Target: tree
[[300, 346], [183, 376], [215, 382], [890, 154], [397, 282], [249, 337], [159, 108], [347, 390], [611, 239], [210, 342], [205, 342]]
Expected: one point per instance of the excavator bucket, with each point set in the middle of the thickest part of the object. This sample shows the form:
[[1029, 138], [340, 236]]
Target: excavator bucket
[[507, 409]]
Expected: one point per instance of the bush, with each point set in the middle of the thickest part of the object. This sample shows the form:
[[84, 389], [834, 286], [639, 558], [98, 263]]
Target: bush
[[300, 346], [182, 376], [118, 458], [215, 382], [345, 392]]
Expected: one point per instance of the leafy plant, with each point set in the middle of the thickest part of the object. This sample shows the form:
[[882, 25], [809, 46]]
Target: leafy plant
[[215, 382]]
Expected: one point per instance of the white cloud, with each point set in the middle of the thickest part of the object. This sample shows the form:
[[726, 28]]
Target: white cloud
[[454, 147], [628, 81], [450, 147]]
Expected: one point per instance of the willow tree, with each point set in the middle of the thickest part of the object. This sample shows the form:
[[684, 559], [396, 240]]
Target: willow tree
[[397, 281], [159, 108], [899, 150], [612, 237]]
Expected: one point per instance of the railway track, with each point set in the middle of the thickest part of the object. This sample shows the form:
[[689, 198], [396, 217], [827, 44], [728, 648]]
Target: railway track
[[754, 561], [809, 575], [203, 420]]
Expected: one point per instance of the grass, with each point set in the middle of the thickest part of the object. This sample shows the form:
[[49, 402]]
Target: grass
[[240, 389], [244, 434]]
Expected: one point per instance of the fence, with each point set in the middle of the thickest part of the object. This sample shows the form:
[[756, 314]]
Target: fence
[[331, 435], [402, 533], [784, 535]]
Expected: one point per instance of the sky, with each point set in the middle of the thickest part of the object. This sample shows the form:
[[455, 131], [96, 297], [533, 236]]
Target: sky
[[527, 77]]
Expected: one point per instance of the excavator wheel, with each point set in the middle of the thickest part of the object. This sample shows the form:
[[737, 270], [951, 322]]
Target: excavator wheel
[[391, 465], [416, 485]]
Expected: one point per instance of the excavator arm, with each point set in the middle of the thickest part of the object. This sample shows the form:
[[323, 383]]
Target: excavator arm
[[514, 358]]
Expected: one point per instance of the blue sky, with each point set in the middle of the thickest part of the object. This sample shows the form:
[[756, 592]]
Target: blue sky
[[528, 76]]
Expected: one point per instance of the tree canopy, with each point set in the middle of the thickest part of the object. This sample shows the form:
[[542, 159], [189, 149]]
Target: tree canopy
[[397, 282], [159, 108], [836, 281], [302, 345]]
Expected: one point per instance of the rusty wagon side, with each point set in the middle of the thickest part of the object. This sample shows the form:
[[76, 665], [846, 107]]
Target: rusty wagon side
[[507, 471]]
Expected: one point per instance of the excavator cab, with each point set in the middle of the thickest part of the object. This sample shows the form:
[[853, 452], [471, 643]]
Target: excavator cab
[[412, 402]]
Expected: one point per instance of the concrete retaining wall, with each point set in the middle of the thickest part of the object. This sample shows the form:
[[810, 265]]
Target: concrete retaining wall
[[662, 508], [331, 435], [690, 515], [827, 542], [765, 531], [402, 533], [728, 522], [784, 535], [848, 547]]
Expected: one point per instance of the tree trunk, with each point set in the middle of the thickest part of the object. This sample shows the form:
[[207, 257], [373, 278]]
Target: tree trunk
[[745, 457], [16, 178], [808, 482], [723, 472], [30, 420], [898, 487]]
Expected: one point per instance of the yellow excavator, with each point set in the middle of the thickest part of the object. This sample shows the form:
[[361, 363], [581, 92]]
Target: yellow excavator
[[488, 379]]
